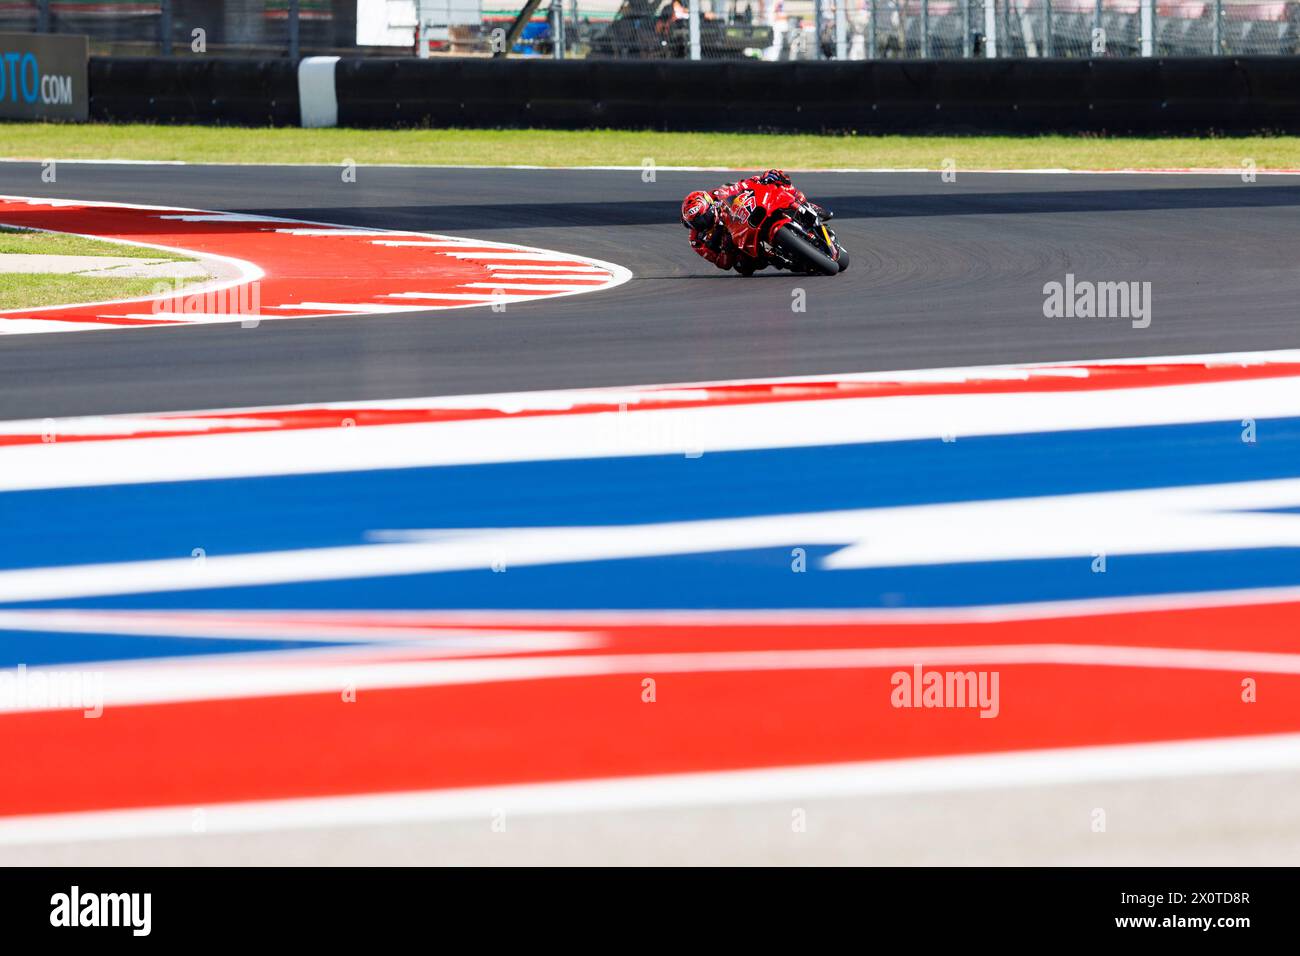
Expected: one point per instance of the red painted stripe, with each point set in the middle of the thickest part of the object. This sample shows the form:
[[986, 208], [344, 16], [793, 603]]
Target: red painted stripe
[[298, 268], [1098, 378], [568, 729], [579, 728]]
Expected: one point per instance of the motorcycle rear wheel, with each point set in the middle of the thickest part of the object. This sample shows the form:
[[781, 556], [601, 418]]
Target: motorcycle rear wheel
[[804, 252]]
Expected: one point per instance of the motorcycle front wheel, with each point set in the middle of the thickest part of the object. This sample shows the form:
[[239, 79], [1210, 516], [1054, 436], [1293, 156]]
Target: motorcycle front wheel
[[803, 252]]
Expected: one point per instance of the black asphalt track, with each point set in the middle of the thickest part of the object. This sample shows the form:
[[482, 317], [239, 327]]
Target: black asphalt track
[[943, 274]]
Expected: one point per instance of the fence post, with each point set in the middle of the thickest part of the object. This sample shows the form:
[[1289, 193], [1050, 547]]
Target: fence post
[[925, 28], [991, 29], [694, 11], [1148, 27], [165, 27], [965, 29], [1096, 25], [557, 29], [871, 29], [1047, 27], [42, 16], [1027, 36], [841, 30], [293, 30], [1218, 28]]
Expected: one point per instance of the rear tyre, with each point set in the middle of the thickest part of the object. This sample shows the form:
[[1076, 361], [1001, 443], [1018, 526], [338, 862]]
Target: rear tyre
[[804, 253]]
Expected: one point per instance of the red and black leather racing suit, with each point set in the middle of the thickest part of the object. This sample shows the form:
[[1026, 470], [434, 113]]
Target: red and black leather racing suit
[[715, 243]]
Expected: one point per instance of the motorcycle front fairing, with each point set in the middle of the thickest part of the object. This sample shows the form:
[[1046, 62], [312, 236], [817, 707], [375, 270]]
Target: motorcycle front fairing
[[750, 218]]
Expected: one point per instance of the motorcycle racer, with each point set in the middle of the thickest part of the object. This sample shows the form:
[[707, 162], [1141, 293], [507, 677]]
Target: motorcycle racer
[[705, 214]]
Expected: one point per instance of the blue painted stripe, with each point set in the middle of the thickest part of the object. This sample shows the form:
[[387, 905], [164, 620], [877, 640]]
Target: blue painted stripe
[[168, 520], [39, 648], [761, 579]]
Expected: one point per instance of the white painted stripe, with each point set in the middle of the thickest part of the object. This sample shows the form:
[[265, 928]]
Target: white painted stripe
[[199, 216], [1149, 521], [1020, 371], [352, 308], [341, 231], [253, 626], [521, 256], [481, 298], [318, 103], [634, 395], [20, 326], [557, 287], [543, 268], [160, 682], [1231, 755], [104, 162], [795, 617], [464, 296], [430, 243], [552, 277], [833, 170], [659, 432], [812, 617], [106, 426], [197, 318]]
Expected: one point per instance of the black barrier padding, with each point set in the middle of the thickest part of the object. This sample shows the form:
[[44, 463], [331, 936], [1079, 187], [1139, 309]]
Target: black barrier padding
[[246, 92], [1275, 78], [1214, 79], [1212, 92], [559, 98], [1117, 95]]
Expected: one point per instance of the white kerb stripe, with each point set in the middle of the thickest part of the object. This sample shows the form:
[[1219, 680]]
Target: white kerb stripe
[[27, 326], [535, 268], [520, 256], [553, 287], [551, 276]]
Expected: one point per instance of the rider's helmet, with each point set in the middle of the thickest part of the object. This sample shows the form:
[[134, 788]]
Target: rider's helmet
[[697, 211], [774, 177]]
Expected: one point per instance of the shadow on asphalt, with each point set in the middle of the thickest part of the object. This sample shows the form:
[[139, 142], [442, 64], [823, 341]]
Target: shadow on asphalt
[[560, 215]]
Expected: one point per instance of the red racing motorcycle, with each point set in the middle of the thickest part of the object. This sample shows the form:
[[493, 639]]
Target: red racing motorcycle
[[774, 225]]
